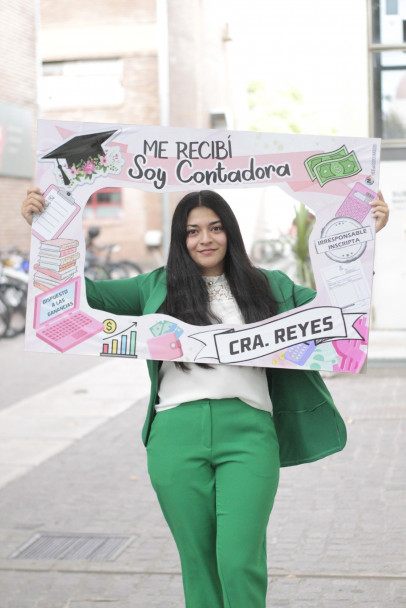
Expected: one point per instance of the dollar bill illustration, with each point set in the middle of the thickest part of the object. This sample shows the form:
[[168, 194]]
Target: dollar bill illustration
[[167, 327], [315, 160], [337, 168], [156, 329]]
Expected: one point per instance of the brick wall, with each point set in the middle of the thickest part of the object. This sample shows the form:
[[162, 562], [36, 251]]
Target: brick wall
[[18, 78], [113, 30], [72, 29], [74, 12]]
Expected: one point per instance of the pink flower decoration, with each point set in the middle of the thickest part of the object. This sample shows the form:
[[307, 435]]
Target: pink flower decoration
[[103, 160], [89, 167], [73, 171]]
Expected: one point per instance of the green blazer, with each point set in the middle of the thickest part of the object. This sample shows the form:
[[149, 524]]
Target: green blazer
[[307, 422]]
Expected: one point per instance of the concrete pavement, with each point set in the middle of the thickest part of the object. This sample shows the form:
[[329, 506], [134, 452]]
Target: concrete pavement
[[38, 427], [72, 461], [27, 373]]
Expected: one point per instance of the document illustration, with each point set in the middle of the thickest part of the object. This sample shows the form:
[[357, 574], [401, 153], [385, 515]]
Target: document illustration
[[60, 209], [347, 286]]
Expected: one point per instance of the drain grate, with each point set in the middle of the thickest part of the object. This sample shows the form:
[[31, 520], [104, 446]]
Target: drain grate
[[94, 547]]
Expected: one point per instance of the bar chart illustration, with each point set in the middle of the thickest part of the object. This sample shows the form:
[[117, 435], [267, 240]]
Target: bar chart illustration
[[121, 344]]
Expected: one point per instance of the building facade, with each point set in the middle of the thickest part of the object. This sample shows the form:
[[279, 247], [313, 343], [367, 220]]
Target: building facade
[[18, 114], [186, 63], [106, 66]]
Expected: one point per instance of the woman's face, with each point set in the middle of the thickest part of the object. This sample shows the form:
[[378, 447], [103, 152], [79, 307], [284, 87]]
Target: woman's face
[[206, 241]]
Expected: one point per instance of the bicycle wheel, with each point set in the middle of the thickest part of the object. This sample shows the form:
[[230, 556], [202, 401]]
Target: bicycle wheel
[[124, 270], [96, 272], [4, 317], [266, 251], [263, 251], [16, 299]]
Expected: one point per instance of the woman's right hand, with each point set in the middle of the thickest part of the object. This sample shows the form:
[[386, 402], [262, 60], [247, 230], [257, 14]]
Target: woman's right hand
[[33, 203]]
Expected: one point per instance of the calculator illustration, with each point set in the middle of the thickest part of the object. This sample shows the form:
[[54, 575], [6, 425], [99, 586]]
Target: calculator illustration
[[300, 353], [357, 203]]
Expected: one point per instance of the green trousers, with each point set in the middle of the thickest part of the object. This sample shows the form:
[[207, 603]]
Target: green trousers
[[214, 465]]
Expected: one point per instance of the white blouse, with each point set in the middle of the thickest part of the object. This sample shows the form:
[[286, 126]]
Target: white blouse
[[222, 381]]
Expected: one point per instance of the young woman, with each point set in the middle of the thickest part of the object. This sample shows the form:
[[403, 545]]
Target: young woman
[[216, 435]]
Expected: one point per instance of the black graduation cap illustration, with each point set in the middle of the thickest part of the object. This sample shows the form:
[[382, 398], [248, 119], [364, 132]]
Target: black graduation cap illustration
[[80, 148]]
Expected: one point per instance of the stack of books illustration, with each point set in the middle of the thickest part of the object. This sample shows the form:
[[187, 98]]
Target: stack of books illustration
[[56, 263]]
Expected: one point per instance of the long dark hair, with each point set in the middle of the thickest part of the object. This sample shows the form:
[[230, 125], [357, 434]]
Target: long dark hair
[[187, 297]]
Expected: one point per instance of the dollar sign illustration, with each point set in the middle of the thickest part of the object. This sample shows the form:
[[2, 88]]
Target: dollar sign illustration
[[109, 326]]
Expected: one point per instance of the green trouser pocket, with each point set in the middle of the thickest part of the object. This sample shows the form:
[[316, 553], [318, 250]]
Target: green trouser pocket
[[308, 435]]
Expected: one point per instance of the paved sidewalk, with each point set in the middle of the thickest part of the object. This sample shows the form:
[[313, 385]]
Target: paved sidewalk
[[336, 536], [38, 427], [387, 347]]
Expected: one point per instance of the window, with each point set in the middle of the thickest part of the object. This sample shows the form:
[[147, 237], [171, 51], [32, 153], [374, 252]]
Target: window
[[106, 203], [218, 119], [85, 83], [387, 50]]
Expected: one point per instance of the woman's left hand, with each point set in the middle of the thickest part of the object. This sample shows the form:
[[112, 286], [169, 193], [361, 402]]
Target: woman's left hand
[[380, 212]]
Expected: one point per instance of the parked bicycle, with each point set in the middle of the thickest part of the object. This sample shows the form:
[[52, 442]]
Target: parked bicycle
[[13, 291], [290, 251], [270, 250], [98, 263], [4, 317]]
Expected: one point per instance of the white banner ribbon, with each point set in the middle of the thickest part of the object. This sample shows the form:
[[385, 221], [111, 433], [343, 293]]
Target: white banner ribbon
[[323, 323]]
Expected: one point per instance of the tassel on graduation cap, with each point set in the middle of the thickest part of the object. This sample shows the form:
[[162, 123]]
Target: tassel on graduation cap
[[65, 178], [80, 148]]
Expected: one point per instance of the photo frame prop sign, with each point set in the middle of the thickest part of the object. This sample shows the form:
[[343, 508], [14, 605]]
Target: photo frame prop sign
[[336, 177]]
